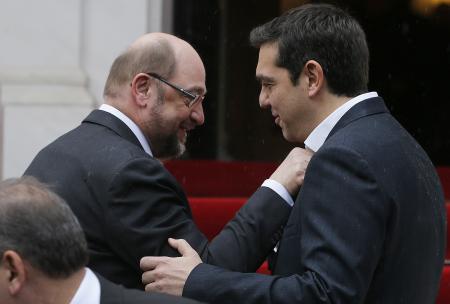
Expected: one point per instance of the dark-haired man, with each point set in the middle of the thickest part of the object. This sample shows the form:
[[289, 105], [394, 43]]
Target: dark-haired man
[[108, 169], [368, 225], [43, 253]]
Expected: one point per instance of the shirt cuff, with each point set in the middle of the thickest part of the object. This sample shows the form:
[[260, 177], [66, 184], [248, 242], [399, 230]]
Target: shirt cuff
[[279, 189]]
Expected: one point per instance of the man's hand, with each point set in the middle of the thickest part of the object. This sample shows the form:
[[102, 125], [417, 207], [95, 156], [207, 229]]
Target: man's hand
[[292, 170], [168, 275]]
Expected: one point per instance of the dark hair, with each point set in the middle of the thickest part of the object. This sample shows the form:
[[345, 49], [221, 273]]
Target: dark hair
[[41, 228], [156, 56], [323, 33]]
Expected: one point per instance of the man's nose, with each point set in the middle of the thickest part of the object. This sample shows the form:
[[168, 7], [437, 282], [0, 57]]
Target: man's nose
[[197, 114], [263, 100]]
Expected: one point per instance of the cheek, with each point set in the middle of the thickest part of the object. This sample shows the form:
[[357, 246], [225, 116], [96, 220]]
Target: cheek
[[265, 98], [277, 99], [175, 114], [177, 119], [181, 117]]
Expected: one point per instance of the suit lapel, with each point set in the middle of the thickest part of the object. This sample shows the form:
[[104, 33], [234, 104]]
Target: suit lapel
[[111, 122], [365, 108]]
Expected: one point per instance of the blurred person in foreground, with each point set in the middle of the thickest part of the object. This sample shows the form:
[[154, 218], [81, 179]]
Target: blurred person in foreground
[[43, 253]]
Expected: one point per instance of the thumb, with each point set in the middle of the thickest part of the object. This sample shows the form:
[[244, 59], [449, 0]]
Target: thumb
[[181, 245]]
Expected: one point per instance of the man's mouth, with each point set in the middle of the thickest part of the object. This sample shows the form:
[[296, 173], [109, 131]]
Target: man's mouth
[[182, 134], [277, 120]]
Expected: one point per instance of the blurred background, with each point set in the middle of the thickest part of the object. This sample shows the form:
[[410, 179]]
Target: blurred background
[[55, 56]]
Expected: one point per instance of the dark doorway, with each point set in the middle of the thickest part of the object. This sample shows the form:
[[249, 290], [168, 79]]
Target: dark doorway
[[410, 68]]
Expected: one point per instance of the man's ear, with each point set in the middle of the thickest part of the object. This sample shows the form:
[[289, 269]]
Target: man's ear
[[13, 272], [315, 78], [140, 88]]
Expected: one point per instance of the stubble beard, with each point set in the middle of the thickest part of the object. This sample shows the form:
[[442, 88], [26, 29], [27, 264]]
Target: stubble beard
[[165, 145]]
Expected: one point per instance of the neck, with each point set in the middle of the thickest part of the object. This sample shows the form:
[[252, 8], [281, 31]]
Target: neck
[[328, 104], [57, 291], [127, 108]]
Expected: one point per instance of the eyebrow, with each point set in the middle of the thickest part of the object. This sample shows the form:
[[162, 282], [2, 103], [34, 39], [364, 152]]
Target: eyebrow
[[262, 78], [197, 90]]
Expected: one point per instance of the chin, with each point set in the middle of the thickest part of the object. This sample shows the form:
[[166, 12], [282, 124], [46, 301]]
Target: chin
[[288, 137], [168, 147]]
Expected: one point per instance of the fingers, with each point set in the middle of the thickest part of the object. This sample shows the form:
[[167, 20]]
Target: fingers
[[182, 246], [153, 283], [151, 267], [163, 288], [153, 287], [292, 170], [148, 277], [300, 152], [169, 275], [150, 262]]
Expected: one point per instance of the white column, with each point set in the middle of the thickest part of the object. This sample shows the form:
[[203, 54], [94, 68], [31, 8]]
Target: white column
[[109, 26], [55, 57], [38, 106], [43, 88]]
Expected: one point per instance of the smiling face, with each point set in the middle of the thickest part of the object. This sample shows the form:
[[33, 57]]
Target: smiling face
[[290, 105], [168, 118]]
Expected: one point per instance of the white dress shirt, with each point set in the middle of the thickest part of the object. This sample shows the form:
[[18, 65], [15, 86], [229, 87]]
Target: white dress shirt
[[89, 290], [317, 137], [279, 189], [131, 124]]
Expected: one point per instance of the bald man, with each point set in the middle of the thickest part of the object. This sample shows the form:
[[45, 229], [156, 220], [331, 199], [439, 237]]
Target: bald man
[[109, 170]]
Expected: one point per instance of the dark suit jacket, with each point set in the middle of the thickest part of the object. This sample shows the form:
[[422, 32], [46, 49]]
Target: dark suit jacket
[[116, 294], [368, 225], [128, 204]]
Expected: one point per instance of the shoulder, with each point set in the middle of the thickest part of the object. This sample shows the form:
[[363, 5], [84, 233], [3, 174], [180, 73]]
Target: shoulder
[[117, 294]]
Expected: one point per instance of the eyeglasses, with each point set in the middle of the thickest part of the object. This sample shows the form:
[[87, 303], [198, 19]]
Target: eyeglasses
[[193, 98]]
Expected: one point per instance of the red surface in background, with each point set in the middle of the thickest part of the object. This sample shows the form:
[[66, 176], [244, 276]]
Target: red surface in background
[[217, 189], [220, 178]]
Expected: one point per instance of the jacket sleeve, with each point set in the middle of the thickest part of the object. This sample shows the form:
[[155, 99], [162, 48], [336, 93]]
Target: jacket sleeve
[[146, 206], [338, 226]]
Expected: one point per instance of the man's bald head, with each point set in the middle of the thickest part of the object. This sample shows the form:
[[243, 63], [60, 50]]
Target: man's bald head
[[158, 104], [154, 52]]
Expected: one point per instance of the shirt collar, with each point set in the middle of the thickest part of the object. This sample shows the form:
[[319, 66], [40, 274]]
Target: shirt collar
[[89, 290], [131, 124], [317, 137]]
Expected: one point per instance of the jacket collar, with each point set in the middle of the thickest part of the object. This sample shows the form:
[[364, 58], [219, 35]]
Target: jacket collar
[[365, 108], [113, 123]]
